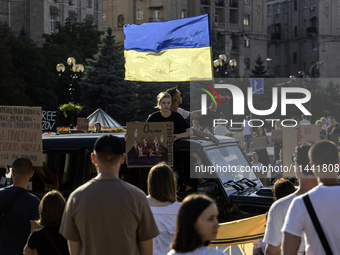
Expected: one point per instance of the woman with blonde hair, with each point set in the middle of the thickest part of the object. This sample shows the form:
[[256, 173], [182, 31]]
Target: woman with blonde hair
[[47, 240], [181, 128], [164, 206]]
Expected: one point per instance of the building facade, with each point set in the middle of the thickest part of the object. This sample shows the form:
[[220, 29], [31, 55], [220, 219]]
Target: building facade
[[36, 17], [303, 37], [240, 25]]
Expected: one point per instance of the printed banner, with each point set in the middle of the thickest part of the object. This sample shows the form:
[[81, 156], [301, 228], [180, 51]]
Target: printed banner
[[20, 134], [149, 143]]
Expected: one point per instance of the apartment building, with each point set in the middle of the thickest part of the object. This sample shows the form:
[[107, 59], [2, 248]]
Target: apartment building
[[302, 35], [35, 17], [241, 25]]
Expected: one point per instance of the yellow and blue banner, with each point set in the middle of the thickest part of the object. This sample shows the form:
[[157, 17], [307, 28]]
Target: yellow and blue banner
[[175, 50]]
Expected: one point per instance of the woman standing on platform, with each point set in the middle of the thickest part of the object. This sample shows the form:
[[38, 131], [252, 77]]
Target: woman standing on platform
[[181, 128]]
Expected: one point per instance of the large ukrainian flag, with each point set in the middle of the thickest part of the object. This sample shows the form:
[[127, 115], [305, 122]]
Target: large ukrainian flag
[[175, 50]]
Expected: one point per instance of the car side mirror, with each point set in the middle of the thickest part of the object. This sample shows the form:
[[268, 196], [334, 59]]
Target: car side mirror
[[209, 188]]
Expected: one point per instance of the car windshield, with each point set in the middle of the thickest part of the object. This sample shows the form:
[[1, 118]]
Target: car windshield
[[231, 164]]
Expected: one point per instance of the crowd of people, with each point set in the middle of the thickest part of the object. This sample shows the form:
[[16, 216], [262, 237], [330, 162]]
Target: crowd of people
[[107, 215]]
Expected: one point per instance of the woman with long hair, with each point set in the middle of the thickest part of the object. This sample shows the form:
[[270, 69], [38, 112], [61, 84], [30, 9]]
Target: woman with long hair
[[164, 206], [197, 225], [47, 240], [181, 128]]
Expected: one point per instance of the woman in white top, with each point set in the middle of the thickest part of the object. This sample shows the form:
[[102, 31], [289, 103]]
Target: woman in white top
[[197, 225], [164, 205]]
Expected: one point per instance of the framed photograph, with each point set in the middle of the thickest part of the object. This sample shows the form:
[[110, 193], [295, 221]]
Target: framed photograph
[[149, 143]]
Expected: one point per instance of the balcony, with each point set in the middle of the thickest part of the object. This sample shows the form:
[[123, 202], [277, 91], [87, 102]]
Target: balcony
[[205, 2], [275, 36], [311, 30]]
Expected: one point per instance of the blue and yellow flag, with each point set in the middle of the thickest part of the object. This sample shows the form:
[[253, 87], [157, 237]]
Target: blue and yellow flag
[[175, 50]]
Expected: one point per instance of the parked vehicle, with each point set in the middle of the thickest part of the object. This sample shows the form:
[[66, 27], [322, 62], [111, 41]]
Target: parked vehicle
[[239, 194]]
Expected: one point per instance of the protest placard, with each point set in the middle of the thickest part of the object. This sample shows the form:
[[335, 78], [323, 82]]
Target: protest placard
[[293, 136], [276, 135], [82, 124], [20, 134], [335, 138], [149, 143], [49, 121], [259, 142]]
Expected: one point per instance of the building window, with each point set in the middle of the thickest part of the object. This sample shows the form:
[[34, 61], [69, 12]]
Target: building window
[[53, 23], [246, 42], [184, 14], [286, 28], [295, 5], [295, 31], [305, 4], [304, 46], [246, 20], [305, 24], [216, 17], [286, 6], [277, 50], [246, 63], [269, 10], [315, 46], [247, 1], [268, 52], [278, 9], [277, 71], [285, 49], [120, 21], [140, 15], [294, 58], [156, 15], [71, 2], [88, 3]]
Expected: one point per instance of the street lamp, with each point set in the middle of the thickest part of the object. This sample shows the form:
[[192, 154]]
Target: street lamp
[[74, 70], [222, 65]]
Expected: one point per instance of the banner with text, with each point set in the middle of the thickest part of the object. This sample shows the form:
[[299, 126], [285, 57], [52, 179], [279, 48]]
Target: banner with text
[[149, 143], [20, 134]]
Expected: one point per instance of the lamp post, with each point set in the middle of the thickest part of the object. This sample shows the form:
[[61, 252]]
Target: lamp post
[[223, 67], [73, 72]]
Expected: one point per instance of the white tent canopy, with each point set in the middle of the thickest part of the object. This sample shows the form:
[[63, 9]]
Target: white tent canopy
[[104, 119]]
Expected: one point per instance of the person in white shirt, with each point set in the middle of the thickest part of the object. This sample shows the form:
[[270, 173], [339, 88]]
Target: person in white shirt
[[247, 129], [278, 210], [325, 200], [164, 205]]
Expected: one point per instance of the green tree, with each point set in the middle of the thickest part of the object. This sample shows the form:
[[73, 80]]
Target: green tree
[[104, 86], [259, 70], [78, 40]]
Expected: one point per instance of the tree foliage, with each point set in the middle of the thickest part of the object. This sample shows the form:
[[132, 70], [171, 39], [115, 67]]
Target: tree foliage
[[259, 70], [104, 86]]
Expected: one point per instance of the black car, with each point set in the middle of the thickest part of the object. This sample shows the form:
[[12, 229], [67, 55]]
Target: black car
[[238, 190]]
